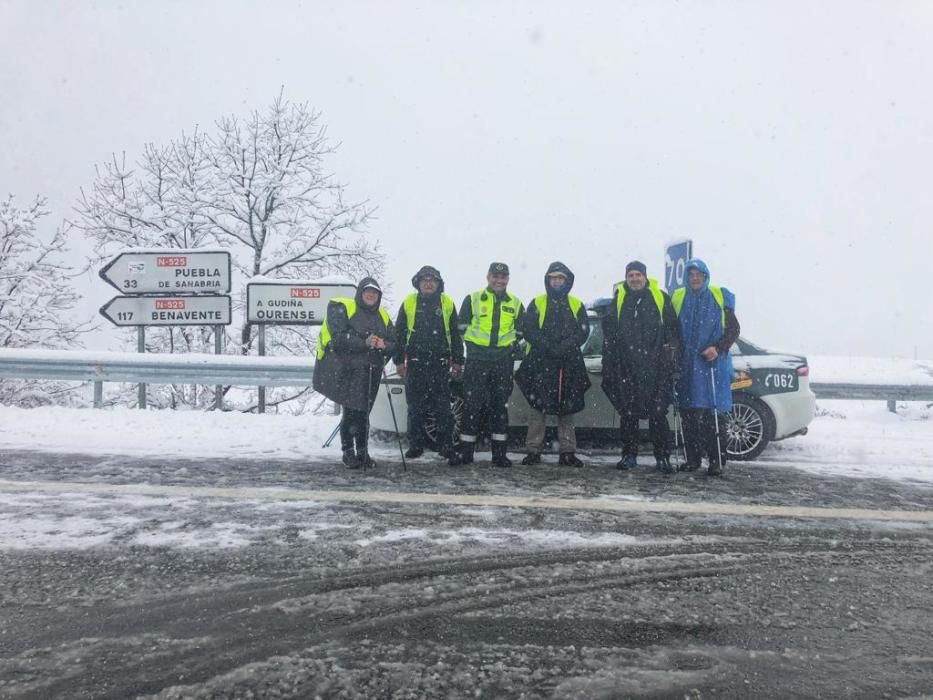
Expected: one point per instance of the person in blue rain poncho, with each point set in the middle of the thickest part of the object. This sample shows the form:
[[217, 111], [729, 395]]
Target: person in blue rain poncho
[[708, 328]]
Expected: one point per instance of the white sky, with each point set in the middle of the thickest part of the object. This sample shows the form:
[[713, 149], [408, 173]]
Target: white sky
[[793, 141]]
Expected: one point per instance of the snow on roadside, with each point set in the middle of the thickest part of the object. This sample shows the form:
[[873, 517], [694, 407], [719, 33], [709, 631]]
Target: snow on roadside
[[853, 438]]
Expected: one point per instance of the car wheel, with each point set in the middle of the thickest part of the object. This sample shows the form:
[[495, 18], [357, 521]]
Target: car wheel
[[749, 428], [456, 408]]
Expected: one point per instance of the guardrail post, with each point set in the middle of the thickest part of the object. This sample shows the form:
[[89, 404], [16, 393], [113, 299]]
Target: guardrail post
[[218, 350], [262, 352], [98, 394], [141, 347]]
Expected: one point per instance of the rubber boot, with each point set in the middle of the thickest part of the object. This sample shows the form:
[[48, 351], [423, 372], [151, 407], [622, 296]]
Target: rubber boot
[[663, 463], [466, 452], [569, 459], [499, 458]]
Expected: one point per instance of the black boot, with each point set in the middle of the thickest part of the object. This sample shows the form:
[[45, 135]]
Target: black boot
[[531, 459], [350, 459], [366, 462], [569, 459], [715, 468], [466, 452], [454, 459], [663, 463], [414, 452], [499, 458], [627, 462]]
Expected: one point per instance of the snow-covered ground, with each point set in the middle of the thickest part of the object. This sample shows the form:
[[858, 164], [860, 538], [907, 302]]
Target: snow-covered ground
[[846, 437]]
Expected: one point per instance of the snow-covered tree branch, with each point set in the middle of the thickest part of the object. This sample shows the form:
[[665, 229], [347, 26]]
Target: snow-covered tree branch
[[37, 298], [256, 186]]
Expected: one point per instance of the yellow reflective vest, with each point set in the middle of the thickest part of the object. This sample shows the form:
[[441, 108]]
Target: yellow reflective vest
[[619, 290], [323, 340], [479, 332], [677, 301], [411, 305]]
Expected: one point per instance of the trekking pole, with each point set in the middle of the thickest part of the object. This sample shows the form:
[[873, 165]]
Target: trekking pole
[[681, 448], [332, 436], [398, 436], [712, 382], [560, 387]]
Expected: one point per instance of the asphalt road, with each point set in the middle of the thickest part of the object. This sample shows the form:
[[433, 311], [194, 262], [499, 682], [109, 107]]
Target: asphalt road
[[246, 580]]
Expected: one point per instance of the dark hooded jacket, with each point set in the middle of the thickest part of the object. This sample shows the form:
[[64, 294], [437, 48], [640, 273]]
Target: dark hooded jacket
[[349, 373], [429, 340], [554, 355], [640, 349]]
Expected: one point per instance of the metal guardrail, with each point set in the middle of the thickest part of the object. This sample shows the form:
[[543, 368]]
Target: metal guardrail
[[890, 393], [100, 367]]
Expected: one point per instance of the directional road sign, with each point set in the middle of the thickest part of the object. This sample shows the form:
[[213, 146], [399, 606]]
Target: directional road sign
[[168, 311], [169, 271], [675, 263], [292, 303]]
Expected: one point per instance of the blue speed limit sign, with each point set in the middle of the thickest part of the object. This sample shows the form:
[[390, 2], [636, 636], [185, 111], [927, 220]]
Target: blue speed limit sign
[[676, 256]]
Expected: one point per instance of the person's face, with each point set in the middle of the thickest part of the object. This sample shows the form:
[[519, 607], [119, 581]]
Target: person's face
[[556, 281], [635, 280], [370, 297], [427, 285], [695, 279], [497, 281]]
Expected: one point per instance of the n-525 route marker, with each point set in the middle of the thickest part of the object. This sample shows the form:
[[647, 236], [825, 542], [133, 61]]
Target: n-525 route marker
[[168, 311], [171, 271]]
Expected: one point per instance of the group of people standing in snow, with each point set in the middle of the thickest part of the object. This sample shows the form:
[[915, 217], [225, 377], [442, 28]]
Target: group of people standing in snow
[[658, 350]]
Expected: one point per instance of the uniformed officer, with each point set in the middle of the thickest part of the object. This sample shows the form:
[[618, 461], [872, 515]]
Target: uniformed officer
[[429, 351], [490, 319]]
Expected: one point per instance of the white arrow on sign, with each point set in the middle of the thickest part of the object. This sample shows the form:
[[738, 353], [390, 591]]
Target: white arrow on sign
[[168, 311], [169, 271], [292, 303]]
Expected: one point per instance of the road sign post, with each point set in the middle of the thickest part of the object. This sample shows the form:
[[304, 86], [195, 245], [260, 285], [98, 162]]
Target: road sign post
[[169, 271], [676, 256], [168, 311], [169, 287], [292, 303], [289, 303]]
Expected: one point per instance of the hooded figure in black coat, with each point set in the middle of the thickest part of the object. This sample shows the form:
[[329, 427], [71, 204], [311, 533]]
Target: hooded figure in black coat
[[350, 364], [641, 337], [553, 376]]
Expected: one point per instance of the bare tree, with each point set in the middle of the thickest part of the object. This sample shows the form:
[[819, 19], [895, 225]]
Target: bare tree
[[37, 298], [256, 186]]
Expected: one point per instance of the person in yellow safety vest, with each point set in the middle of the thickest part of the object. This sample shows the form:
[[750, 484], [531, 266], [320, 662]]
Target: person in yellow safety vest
[[428, 353], [355, 343], [641, 342], [553, 376], [491, 321], [708, 328]]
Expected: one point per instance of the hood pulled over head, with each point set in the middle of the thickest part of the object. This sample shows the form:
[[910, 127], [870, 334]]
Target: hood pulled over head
[[697, 264], [428, 271], [371, 283], [553, 268]]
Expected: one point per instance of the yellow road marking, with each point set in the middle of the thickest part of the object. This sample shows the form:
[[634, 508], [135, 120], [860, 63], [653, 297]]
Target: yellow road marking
[[460, 499]]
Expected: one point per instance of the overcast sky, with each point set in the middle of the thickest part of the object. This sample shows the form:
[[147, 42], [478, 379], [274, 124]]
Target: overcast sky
[[792, 142]]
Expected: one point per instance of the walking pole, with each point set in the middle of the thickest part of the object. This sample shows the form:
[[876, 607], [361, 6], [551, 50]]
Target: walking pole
[[398, 436], [680, 449], [712, 382], [332, 436]]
